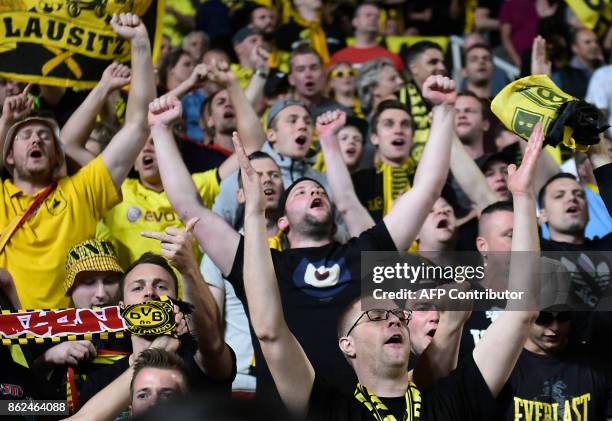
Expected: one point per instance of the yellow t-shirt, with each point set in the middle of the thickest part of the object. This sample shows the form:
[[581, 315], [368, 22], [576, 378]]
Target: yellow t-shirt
[[36, 254], [143, 209]]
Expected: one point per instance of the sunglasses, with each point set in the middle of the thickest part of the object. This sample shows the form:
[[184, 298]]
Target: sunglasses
[[342, 73], [546, 318]]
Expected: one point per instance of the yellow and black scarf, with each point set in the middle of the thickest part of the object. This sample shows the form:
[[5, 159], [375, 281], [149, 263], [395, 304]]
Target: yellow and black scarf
[[396, 180], [419, 111], [379, 410], [316, 34]]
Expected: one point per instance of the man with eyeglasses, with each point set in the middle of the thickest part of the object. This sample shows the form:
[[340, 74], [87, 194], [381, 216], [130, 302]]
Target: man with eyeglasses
[[374, 337], [557, 379]]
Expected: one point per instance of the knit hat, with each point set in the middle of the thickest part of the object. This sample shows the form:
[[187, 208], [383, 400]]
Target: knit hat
[[90, 256]]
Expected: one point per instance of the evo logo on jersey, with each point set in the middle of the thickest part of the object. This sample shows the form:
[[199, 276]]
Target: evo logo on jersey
[[134, 214], [573, 409], [322, 278]]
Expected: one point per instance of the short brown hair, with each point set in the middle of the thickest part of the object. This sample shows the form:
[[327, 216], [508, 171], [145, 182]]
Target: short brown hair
[[158, 358]]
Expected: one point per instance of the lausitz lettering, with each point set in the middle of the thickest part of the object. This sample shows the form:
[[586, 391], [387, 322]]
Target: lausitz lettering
[[59, 32]]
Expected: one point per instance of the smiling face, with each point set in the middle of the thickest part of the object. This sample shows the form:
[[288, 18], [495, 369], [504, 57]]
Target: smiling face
[[564, 208], [351, 146], [291, 132], [146, 282], [307, 76], [155, 385], [393, 136], [308, 211], [33, 154]]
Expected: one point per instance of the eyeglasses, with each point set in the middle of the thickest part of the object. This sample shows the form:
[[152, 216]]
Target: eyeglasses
[[342, 73], [377, 315], [546, 318]]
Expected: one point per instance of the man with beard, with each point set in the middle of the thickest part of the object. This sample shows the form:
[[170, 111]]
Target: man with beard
[[45, 214], [264, 19], [422, 59], [316, 272]]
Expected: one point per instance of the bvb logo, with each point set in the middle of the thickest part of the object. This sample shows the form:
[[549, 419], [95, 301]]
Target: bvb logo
[[524, 121], [151, 318]]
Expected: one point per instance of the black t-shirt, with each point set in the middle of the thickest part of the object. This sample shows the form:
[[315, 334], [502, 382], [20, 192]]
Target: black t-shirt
[[462, 395], [197, 379], [564, 387], [589, 265], [316, 284]]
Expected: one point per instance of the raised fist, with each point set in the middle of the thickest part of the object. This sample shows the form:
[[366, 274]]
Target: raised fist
[[164, 111], [115, 76], [128, 26], [439, 90], [330, 122]]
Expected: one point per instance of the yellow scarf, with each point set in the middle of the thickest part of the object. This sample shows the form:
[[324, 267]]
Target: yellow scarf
[[379, 410], [420, 114], [396, 180], [315, 32]]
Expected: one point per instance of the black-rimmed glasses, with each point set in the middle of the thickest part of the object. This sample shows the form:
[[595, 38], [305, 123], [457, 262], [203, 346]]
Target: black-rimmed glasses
[[377, 315]]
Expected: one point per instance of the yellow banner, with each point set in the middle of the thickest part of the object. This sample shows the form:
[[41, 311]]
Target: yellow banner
[[594, 14], [68, 42]]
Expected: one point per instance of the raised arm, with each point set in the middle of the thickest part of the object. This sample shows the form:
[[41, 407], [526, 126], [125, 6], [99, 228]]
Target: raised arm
[[216, 237], [77, 129], [214, 356], [120, 154], [497, 352], [292, 372], [15, 108], [405, 219], [354, 214], [197, 76], [247, 123], [602, 169], [255, 90], [469, 177]]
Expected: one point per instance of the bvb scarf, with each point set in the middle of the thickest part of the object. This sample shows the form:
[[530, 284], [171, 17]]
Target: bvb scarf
[[470, 11], [396, 180], [419, 110], [595, 15], [521, 104], [379, 410], [151, 318]]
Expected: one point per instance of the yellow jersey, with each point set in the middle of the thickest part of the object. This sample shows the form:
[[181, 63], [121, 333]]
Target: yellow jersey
[[36, 254], [143, 209]]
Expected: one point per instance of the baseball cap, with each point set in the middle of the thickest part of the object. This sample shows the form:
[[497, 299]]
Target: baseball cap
[[50, 123], [90, 256], [486, 160], [283, 199], [279, 106], [243, 34]]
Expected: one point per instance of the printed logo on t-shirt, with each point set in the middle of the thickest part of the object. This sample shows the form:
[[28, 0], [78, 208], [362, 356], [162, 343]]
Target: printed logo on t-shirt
[[322, 278], [56, 203], [133, 214], [553, 404], [589, 279]]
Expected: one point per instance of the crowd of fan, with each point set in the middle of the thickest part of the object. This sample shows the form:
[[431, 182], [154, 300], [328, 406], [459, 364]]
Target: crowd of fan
[[245, 172]]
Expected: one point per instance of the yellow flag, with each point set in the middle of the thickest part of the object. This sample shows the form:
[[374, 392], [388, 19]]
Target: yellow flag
[[68, 43]]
